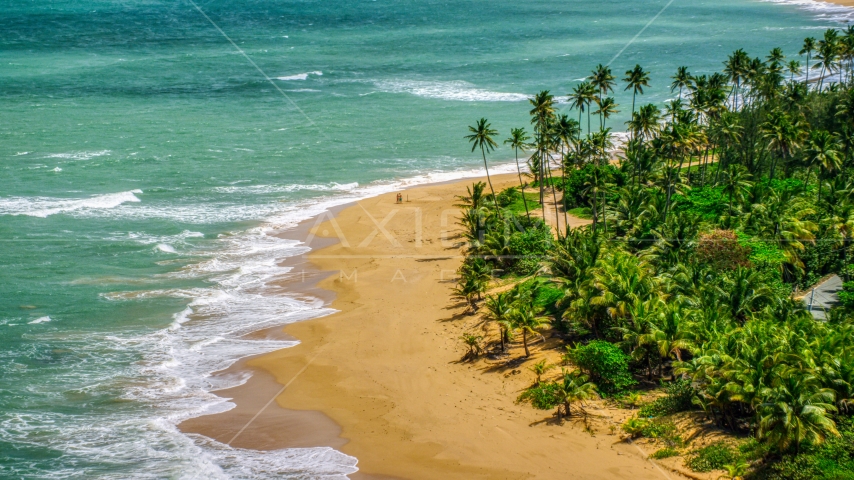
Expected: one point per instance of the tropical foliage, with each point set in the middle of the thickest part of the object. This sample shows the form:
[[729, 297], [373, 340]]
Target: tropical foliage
[[719, 205]]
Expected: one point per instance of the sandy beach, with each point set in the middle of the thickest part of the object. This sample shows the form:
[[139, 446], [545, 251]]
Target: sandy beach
[[383, 380]]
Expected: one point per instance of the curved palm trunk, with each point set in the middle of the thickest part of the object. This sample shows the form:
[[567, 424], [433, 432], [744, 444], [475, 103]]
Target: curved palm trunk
[[542, 185], [807, 82], [488, 179], [554, 196], [522, 186], [588, 118], [563, 184], [525, 342]]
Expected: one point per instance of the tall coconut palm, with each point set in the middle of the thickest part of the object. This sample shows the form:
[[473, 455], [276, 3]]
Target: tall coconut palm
[[636, 79], [736, 68], [822, 149], [580, 99], [607, 107], [646, 122], [827, 55], [518, 140], [782, 135], [793, 67], [542, 114], [481, 137], [808, 48], [776, 55], [603, 81], [681, 80]]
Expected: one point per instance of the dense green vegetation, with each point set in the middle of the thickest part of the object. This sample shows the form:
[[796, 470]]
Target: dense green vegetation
[[703, 224]]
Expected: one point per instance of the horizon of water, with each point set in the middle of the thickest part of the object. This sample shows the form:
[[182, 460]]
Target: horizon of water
[[148, 169]]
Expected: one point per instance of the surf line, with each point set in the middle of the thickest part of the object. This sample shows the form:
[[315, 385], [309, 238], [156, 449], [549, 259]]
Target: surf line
[[264, 74], [640, 33]]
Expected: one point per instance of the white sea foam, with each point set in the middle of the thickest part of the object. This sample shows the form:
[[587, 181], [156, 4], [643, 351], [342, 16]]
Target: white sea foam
[[261, 189], [79, 155], [148, 239], [44, 319], [299, 76], [453, 90], [57, 169], [166, 248], [46, 206], [823, 10]]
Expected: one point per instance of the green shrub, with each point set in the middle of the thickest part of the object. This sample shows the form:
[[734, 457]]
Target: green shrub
[[666, 452], [846, 296], [529, 247], [606, 364], [658, 429], [764, 255], [542, 397], [711, 457], [508, 196], [678, 399], [707, 202]]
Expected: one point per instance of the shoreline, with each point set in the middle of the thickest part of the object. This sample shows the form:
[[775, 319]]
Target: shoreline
[[841, 3], [386, 367]]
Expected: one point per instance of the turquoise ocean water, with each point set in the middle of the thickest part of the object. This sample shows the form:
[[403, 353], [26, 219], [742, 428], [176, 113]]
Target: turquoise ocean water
[[146, 164]]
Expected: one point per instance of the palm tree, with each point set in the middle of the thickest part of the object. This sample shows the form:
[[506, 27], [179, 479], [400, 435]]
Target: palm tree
[[646, 122], [797, 412], [736, 68], [776, 55], [745, 293], [603, 81], [481, 137], [809, 47], [519, 140], [541, 116], [681, 80], [574, 387], [498, 309], [794, 67], [607, 107], [469, 289], [827, 54], [823, 150], [782, 135], [735, 471], [540, 368], [636, 79], [473, 343], [527, 319], [580, 99], [736, 184]]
